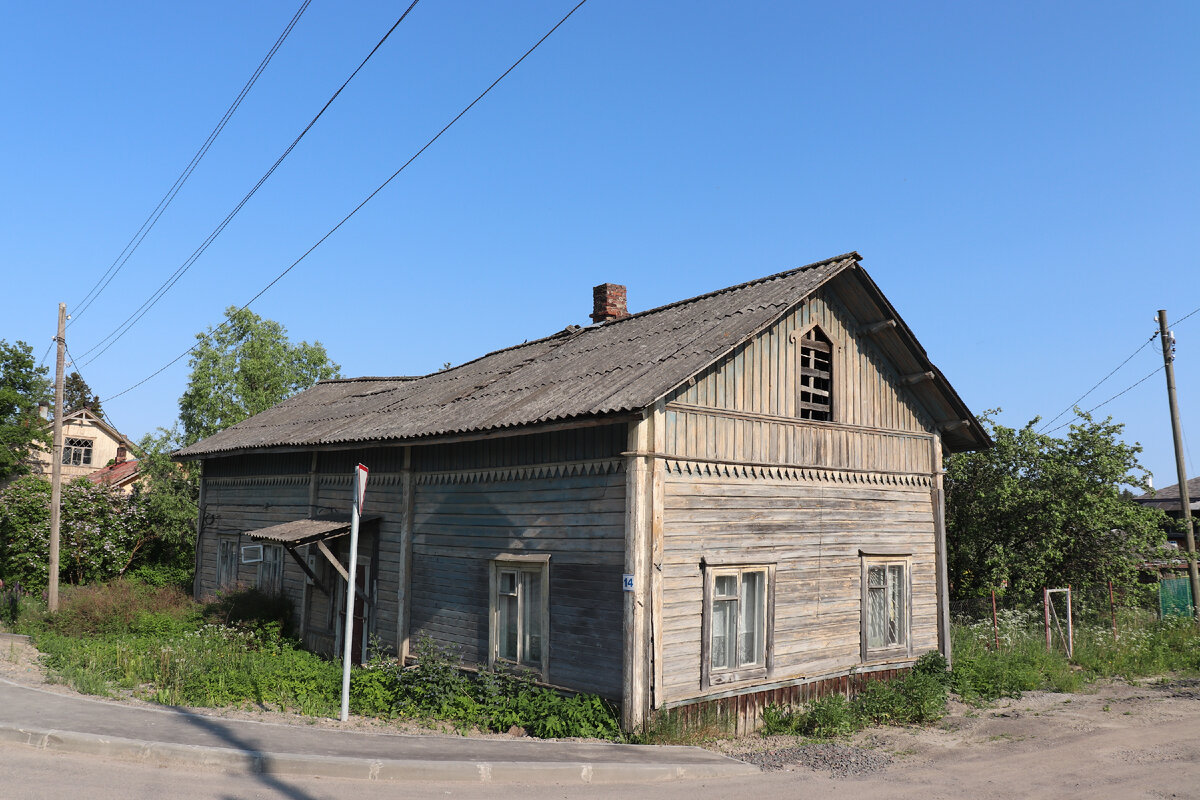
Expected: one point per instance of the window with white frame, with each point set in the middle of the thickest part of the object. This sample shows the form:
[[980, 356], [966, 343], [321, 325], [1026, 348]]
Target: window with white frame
[[227, 562], [77, 452], [270, 570], [737, 623], [886, 601], [520, 620]]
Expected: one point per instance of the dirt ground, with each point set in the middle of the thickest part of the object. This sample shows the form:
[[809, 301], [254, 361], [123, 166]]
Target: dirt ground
[[1117, 739]]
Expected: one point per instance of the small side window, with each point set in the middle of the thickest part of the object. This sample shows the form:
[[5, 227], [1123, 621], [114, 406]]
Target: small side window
[[885, 606], [270, 570], [737, 623], [227, 563], [520, 612]]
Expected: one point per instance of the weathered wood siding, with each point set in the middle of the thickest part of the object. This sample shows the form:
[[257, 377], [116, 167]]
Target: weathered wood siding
[[574, 512], [237, 504], [760, 378], [811, 527]]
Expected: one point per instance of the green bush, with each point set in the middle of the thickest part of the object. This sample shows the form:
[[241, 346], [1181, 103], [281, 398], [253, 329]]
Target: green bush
[[917, 698], [252, 609]]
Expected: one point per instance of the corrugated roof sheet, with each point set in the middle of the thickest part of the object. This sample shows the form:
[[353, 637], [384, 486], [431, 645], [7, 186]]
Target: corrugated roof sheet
[[302, 531], [617, 366]]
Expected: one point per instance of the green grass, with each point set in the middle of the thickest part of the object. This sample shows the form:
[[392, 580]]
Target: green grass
[[155, 643]]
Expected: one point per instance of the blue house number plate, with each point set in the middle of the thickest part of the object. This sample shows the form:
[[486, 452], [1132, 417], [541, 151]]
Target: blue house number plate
[[627, 583]]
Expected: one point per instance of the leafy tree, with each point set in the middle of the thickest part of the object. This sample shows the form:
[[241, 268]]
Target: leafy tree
[[245, 366], [1036, 510], [102, 532], [22, 387], [170, 493], [77, 394]]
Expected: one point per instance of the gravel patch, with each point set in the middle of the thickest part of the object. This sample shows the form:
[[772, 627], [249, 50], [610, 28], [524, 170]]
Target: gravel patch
[[839, 760]]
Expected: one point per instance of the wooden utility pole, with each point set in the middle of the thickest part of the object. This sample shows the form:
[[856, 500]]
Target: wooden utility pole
[[1168, 347], [56, 459]]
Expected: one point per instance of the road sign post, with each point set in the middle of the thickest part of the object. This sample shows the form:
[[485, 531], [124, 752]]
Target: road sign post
[[360, 491]]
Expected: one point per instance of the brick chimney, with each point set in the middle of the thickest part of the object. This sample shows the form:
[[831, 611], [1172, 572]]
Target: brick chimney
[[608, 302], [121, 454]]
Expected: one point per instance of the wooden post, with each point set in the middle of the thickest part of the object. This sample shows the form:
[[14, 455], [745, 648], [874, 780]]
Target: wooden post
[[657, 483], [199, 557], [995, 622], [404, 600], [1046, 609], [1112, 607], [1070, 627], [56, 461], [939, 524], [637, 546], [1168, 348]]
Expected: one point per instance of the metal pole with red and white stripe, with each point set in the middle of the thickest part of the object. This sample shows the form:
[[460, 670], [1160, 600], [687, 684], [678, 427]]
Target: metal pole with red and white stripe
[[360, 492]]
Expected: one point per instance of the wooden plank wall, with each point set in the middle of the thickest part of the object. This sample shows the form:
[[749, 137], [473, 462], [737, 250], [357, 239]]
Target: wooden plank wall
[[234, 505], [574, 512], [812, 530], [760, 376]]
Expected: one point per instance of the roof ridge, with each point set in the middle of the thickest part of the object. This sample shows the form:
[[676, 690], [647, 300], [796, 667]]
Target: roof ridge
[[572, 330], [785, 274]]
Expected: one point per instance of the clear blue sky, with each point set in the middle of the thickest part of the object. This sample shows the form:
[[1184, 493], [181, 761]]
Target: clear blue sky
[[1020, 178]]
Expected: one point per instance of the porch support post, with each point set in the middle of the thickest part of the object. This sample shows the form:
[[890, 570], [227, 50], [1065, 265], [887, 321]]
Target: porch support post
[[638, 514], [939, 525], [404, 591]]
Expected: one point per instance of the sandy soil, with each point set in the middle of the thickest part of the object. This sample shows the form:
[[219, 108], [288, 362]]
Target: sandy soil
[[1115, 740]]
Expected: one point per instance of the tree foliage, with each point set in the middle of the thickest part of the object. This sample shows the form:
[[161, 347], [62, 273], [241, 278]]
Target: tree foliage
[[22, 387], [1036, 510], [102, 533], [77, 394], [243, 367], [170, 493]]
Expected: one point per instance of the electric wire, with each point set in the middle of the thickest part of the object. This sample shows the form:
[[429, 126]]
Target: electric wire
[[1193, 312], [1145, 344], [150, 221], [204, 336], [1154, 372], [117, 333]]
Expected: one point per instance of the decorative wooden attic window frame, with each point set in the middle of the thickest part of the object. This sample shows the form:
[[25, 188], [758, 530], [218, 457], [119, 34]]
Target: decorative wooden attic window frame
[[814, 376]]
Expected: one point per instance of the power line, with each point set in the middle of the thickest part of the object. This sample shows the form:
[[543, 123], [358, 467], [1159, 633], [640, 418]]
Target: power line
[[204, 336], [1154, 372], [1145, 344], [158, 211], [117, 333], [1185, 316]]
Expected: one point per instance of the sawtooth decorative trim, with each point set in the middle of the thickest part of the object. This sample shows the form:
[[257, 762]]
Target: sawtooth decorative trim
[[260, 480], [604, 466], [795, 474]]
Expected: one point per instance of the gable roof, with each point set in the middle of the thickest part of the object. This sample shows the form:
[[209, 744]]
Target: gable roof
[[116, 474], [1168, 498], [86, 416], [607, 369]]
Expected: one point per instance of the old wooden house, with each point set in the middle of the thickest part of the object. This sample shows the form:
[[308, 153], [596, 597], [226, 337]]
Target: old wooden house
[[735, 497]]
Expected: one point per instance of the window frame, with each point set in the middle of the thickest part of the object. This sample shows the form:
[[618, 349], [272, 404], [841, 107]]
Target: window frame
[[806, 410], [270, 570], [876, 558], [228, 562], [739, 673], [76, 444], [531, 563]]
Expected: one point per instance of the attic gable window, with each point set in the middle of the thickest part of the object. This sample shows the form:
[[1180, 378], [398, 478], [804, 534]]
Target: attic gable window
[[77, 452], [814, 388]]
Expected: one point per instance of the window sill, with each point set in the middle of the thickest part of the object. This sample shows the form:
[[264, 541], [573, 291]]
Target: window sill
[[731, 677]]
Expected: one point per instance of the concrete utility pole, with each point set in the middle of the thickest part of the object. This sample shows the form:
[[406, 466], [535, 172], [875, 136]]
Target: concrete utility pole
[[56, 459], [1168, 347]]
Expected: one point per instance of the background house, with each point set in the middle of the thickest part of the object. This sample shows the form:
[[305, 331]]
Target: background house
[[89, 443], [731, 499], [1168, 500]]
